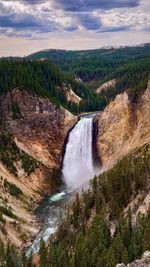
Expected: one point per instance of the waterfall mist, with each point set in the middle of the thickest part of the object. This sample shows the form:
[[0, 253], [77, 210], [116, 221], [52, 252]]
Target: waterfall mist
[[78, 165]]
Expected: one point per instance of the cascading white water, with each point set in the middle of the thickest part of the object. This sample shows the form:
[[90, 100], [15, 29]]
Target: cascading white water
[[78, 162]]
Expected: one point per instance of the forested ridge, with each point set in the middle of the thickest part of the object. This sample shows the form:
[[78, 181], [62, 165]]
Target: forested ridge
[[41, 78], [93, 64], [128, 65], [84, 238], [45, 79]]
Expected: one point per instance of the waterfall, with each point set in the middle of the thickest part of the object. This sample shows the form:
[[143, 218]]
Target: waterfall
[[78, 165], [77, 169]]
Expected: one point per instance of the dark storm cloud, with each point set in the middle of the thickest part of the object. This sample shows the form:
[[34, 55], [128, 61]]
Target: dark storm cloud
[[71, 28], [28, 21], [89, 22], [25, 23], [89, 5]]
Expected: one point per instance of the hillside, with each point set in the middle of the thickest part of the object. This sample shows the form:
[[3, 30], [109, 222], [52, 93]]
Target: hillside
[[128, 66], [117, 54], [92, 65], [99, 230], [41, 78], [98, 224], [32, 135], [45, 79]]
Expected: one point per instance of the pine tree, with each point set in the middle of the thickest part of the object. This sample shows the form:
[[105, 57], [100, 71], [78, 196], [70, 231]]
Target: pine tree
[[43, 254]]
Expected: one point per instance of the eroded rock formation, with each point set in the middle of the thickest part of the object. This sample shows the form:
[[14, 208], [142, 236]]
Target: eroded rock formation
[[122, 127], [39, 128]]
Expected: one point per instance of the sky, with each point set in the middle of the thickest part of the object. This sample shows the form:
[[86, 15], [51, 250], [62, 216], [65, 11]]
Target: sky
[[27, 26]]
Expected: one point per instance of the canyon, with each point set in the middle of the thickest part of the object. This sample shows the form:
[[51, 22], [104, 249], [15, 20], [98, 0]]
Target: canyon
[[40, 129]]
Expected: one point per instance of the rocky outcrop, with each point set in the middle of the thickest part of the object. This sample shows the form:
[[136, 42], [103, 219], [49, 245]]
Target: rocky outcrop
[[144, 262], [72, 97], [122, 127], [38, 126], [106, 85]]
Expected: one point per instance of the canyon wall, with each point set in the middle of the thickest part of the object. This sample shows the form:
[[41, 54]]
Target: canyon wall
[[123, 126], [38, 128]]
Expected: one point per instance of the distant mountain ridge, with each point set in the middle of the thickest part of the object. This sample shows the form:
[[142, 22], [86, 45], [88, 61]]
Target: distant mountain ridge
[[70, 54]]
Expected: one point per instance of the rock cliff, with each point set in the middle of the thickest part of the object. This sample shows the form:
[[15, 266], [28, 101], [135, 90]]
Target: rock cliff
[[38, 126], [106, 86], [122, 127], [37, 130]]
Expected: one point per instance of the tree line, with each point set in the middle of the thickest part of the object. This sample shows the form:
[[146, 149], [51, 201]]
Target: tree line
[[45, 79]]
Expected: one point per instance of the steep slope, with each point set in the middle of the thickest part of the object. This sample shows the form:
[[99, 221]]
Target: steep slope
[[123, 126], [86, 237], [72, 97], [39, 126], [44, 79], [32, 135], [105, 86]]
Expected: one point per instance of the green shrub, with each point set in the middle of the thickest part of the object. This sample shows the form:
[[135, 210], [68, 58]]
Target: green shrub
[[13, 189], [29, 164], [8, 162], [7, 212]]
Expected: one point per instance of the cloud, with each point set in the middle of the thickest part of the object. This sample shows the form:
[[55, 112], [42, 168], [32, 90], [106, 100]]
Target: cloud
[[33, 1], [71, 28], [40, 19], [89, 22], [19, 18], [90, 5], [13, 21], [16, 34], [116, 29]]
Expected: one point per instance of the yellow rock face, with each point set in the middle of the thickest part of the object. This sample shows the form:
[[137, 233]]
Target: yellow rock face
[[122, 127]]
